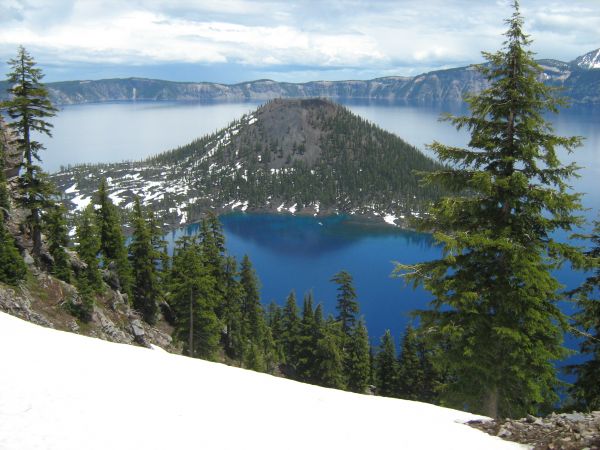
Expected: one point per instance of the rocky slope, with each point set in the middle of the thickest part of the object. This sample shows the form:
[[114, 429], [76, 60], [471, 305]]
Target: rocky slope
[[572, 431], [296, 156], [580, 79], [43, 299]]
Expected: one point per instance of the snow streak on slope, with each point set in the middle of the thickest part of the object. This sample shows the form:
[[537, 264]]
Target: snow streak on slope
[[60, 391]]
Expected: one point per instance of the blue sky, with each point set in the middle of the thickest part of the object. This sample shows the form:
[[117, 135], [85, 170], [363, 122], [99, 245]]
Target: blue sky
[[295, 40]]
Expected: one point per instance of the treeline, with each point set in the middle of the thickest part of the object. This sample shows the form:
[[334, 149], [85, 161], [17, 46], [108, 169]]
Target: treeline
[[214, 306]]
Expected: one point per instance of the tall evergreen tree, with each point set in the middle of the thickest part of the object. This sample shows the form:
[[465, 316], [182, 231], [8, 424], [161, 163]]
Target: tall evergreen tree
[[232, 310], [346, 301], [307, 339], [192, 297], [29, 106], [89, 280], [143, 263], [411, 375], [88, 247], [252, 312], [357, 364], [58, 239], [112, 241], [494, 308], [328, 367], [291, 331], [586, 389], [386, 368]]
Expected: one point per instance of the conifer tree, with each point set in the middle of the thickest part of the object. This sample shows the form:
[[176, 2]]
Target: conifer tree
[[411, 376], [145, 278], [112, 241], [192, 297], [357, 359], [29, 107], [386, 369], [88, 247], [307, 339], [494, 310], [253, 318], [586, 389], [232, 310], [89, 280], [291, 331], [159, 244], [346, 301], [274, 320], [252, 312], [12, 266], [58, 239], [328, 367]]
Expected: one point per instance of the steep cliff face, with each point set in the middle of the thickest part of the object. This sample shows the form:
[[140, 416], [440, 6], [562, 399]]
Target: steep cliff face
[[12, 156], [580, 79]]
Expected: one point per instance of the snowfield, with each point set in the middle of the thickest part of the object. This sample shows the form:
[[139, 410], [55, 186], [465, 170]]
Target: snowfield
[[61, 391]]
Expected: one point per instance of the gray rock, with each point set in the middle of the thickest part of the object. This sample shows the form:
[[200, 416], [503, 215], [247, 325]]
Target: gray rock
[[28, 258], [137, 328]]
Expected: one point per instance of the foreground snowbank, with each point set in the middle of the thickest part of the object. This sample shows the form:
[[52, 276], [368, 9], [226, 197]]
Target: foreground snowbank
[[63, 391]]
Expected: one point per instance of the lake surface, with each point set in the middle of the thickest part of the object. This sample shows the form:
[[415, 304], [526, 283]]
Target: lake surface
[[303, 253]]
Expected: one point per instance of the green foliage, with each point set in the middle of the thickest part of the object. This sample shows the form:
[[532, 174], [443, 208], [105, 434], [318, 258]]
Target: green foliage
[[29, 107], [417, 376], [386, 367], [12, 266], [290, 334], [346, 301], [193, 299], [494, 311], [55, 224], [586, 389], [231, 310], [144, 265], [112, 241], [254, 327], [357, 364], [88, 248], [84, 307], [329, 360]]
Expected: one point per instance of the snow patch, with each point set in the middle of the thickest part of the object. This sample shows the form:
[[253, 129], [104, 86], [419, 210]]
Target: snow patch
[[81, 202], [72, 189], [56, 411], [390, 218]]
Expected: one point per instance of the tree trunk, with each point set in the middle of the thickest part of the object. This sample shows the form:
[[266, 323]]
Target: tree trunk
[[490, 403]]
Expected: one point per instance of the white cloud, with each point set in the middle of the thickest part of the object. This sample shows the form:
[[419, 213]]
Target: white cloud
[[371, 35]]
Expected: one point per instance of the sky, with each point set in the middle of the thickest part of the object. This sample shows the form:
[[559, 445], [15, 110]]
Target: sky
[[232, 41]]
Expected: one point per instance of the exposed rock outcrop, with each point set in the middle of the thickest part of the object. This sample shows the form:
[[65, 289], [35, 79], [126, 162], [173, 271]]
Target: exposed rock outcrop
[[573, 431]]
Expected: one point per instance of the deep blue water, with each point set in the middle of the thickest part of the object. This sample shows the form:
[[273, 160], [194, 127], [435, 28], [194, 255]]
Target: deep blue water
[[298, 252], [303, 254]]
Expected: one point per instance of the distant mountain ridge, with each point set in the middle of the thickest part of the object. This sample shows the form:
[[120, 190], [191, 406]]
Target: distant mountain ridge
[[306, 156], [579, 78]]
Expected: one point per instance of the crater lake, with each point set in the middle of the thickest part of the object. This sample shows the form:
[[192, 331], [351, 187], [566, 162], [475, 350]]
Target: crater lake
[[303, 253]]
